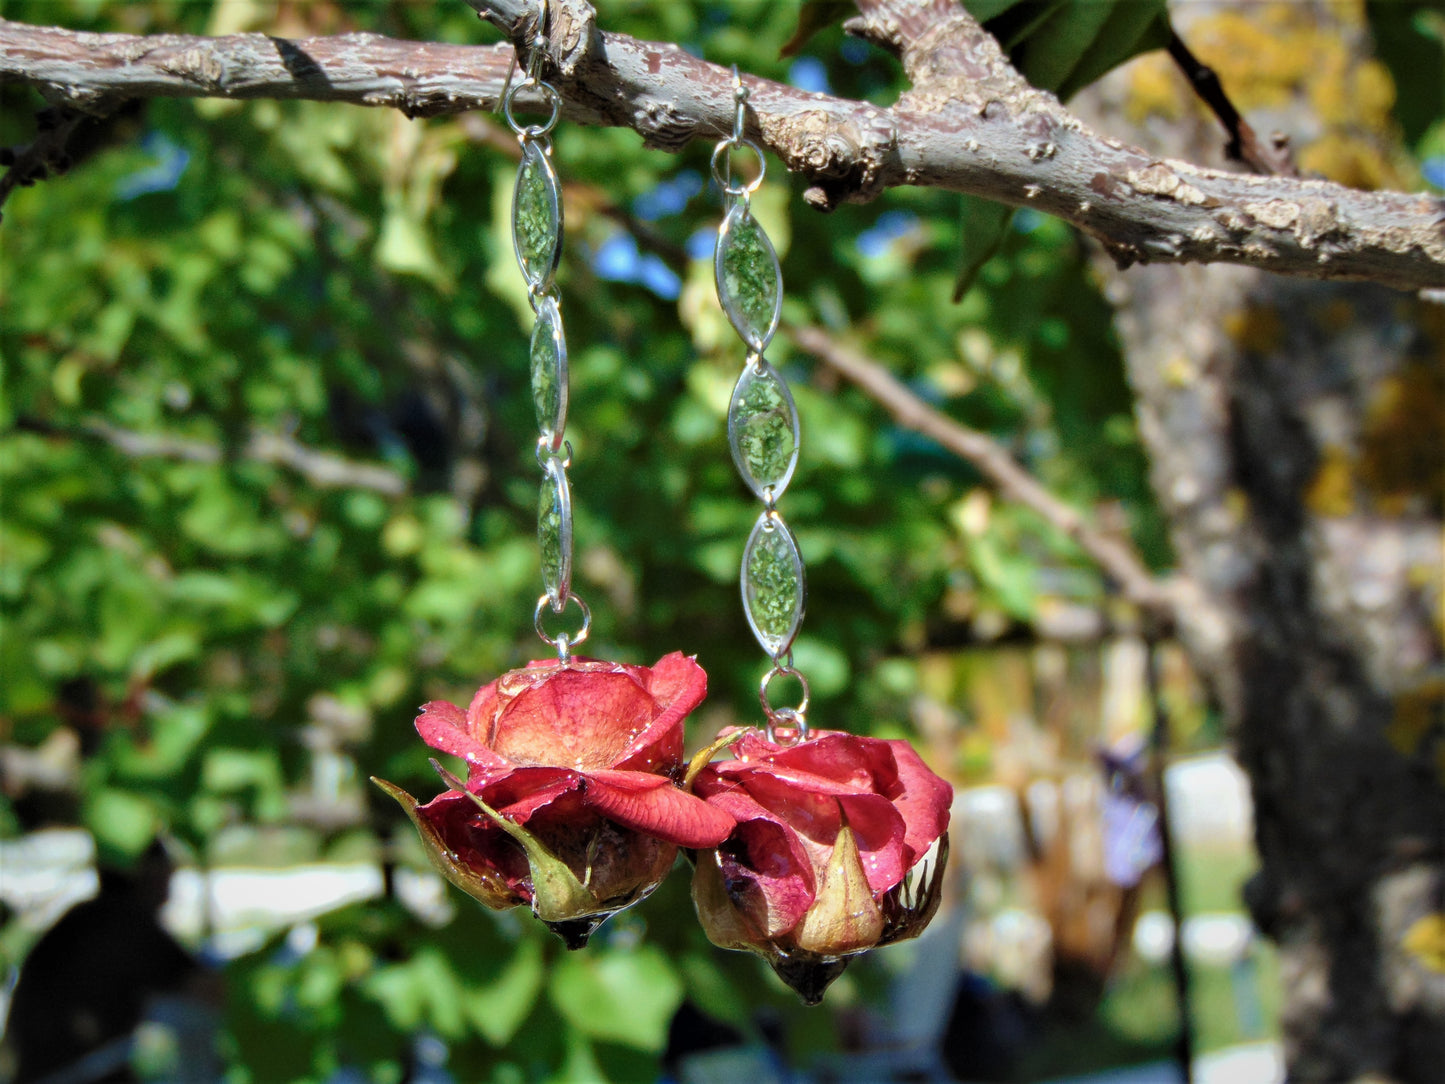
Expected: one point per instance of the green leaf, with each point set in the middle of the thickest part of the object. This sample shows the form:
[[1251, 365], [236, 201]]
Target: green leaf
[[228, 770], [1064, 45], [580, 1066], [1133, 27], [499, 1009], [1409, 39], [625, 996], [1010, 577], [1012, 21], [123, 823], [984, 227], [708, 987]]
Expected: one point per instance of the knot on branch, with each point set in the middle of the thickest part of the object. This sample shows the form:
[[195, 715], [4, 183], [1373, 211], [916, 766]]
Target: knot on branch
[[847, 160], [571, 29]]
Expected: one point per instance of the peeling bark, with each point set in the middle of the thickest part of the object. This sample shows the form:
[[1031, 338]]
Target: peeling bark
[[969, 123]]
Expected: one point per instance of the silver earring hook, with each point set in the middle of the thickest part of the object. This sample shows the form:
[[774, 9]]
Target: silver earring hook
[[536, 47], [740, 108], [722, 166]]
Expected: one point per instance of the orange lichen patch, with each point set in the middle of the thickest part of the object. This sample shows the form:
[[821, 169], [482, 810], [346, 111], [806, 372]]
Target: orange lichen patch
[[1155, 89], [1236, 503], [1350, 160], [1402, 455], [1425, 940], [1180, 372], [1356, 94], [1332, 490], [1262, 56], [1374, 92], [1257, 328], [1269, 56], [1418, 714]]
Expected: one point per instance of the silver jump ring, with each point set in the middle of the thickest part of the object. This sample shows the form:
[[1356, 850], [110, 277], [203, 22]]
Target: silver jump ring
[[549, 95], [797, 717], [722, 167], [562, 642], [548, 446]]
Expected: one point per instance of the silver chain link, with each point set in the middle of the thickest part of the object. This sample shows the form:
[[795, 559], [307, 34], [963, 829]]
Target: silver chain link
[[537, 241], [762, 424]]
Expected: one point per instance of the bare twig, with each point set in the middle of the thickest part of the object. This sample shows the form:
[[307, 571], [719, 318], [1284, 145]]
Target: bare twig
[[322, 469], [1115, 558], [968, 124], [1244, 145]]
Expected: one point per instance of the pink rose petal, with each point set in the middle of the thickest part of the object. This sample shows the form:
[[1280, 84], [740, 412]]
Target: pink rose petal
[[791, 802], [768, 875], [477, 842], [575, 719], [924, 800], [653, 805], [523, 791], [678, 685], [443, 726]]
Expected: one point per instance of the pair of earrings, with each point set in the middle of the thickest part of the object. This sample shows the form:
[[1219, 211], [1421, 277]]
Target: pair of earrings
[[808, 846]]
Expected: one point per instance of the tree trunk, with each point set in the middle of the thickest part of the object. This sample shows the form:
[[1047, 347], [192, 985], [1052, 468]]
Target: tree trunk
[[1295, 434]]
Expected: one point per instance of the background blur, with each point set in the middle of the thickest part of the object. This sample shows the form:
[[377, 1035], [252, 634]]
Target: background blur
[[267, 484]]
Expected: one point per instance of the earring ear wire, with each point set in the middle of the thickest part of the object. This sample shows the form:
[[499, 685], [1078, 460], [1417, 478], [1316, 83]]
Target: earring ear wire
[[536, 47]]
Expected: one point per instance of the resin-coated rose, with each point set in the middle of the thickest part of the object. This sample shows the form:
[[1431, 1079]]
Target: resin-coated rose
[[827, 859], [570, 803]]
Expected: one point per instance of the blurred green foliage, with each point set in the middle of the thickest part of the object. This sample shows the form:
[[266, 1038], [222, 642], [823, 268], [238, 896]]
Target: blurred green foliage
[[214, 619]]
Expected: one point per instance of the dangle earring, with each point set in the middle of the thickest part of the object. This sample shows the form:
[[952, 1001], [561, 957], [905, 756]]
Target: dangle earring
[[841, 840], [570, 803], [537, 242]]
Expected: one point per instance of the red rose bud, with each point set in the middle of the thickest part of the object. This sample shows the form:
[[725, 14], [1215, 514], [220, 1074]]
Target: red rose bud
[[830, 856], [570, 803]]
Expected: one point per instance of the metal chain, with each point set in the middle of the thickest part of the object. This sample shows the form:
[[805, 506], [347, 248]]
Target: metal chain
[[762, 423], [537, 242]]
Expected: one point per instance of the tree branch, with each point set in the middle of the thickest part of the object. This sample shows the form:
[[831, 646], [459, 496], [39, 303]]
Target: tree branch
[[322, 469], [1116, 559], [1244, 144], [969, 124]]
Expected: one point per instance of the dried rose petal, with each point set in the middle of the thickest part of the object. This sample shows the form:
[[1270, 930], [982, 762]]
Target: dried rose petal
[[570, 803], [830, 854]]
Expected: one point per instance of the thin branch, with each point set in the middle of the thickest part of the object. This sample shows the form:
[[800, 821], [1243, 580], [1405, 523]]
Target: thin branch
[[1244, 145], [322, 469], [969, 124], [1015, 483]]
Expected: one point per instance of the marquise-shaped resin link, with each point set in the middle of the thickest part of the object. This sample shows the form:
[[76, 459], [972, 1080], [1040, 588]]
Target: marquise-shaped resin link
[[774, 591], [549, 373], [537, 218], [763, 430], [554, 533], [749, 280]]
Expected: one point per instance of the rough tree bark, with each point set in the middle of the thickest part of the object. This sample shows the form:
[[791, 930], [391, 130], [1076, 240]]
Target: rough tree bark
[[1289, 421], [969, 123], [1294, 437]]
